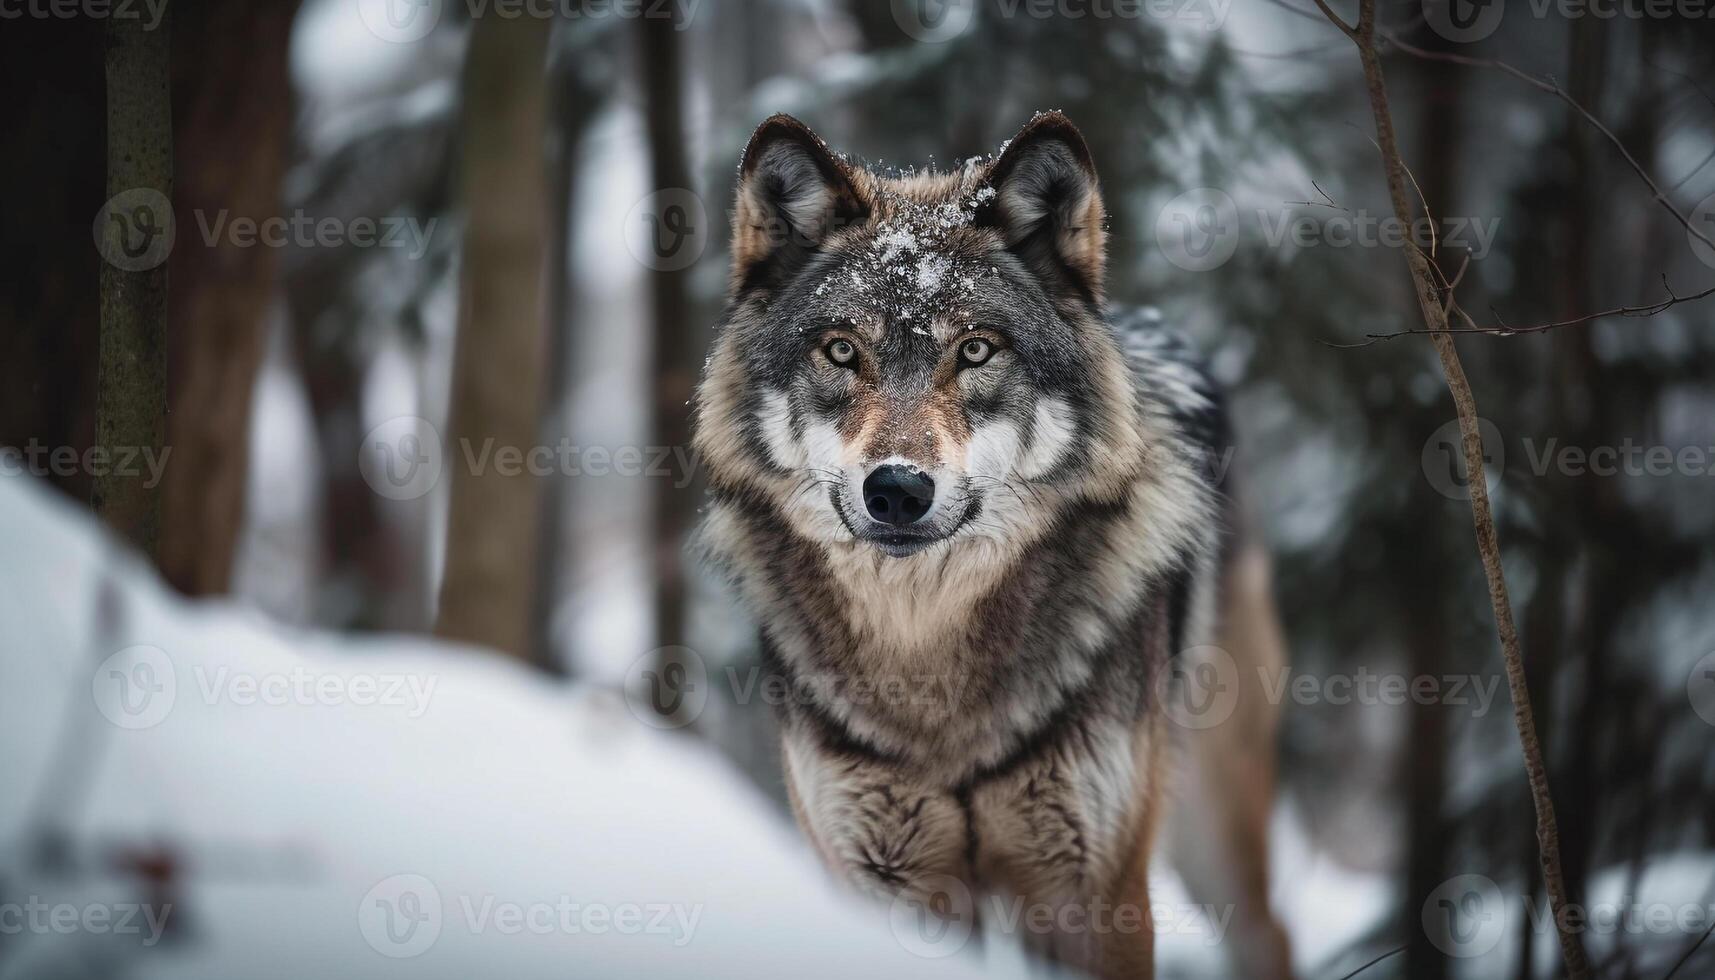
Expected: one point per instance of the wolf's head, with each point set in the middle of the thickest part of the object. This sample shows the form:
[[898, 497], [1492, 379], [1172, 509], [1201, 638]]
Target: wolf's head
[[911, 363]]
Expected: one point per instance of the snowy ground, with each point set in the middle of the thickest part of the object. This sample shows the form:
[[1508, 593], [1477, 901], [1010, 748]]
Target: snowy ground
[[393, 807]]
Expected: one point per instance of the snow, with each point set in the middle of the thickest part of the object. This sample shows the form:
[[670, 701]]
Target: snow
[[387, 806]]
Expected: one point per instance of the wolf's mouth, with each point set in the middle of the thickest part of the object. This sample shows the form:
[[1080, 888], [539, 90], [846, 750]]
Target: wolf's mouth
[[903, 545], [896, 542]]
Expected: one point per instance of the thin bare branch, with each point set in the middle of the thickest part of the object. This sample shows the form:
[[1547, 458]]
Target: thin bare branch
[[1433, 308], [1501, 329]]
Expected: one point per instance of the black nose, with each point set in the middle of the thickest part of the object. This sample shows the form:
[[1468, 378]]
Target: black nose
[[898, 495]]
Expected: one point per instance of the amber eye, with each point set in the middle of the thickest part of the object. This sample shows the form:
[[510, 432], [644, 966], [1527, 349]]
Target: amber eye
[[841, 352], [974, 352]]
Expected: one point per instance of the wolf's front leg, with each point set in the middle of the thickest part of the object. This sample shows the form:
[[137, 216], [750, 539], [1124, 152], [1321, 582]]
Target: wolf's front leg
[[875, 826]]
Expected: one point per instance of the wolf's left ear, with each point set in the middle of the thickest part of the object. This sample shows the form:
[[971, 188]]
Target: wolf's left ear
[[1048, 206], [793, 193]]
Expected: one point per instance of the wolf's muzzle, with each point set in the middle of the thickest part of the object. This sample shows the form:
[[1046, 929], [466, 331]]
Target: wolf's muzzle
[[898, 495]]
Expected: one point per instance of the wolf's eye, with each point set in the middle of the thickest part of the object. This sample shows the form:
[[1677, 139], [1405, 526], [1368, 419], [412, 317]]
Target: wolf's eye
[[974, 351], [841, 352]]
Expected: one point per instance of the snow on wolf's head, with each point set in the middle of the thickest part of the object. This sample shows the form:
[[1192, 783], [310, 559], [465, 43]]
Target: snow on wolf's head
[[915, 363]]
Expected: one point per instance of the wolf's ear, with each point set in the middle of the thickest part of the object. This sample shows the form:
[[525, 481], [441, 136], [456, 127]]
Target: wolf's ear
[[793, 192], [1048, 206]]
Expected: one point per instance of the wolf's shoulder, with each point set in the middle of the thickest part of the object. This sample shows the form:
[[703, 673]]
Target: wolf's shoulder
[[1172, 377]]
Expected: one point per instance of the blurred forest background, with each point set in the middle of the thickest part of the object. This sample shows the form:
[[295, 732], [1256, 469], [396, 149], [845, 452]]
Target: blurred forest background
[[281, 361]]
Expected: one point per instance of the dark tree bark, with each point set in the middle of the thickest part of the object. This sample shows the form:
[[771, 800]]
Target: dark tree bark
[[486, 592], [232, 99], [132, 372], [54, 120], [572, 104], [676, 345]]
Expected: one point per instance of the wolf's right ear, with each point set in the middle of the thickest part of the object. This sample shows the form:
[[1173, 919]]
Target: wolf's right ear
[[793, 192]]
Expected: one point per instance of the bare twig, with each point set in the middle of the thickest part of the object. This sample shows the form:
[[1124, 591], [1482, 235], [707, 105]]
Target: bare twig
[[1326, 202], [1366, 966], [1688, 953], [1500, 329], [1434, 313]]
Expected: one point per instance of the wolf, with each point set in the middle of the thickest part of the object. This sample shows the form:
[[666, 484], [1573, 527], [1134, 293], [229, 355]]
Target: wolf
[[971, 507]]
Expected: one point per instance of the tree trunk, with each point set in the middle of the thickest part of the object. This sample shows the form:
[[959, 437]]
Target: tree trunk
[[233, 102], [50, 311], [486, 592], [572, 106], [137, 237], [676, 346]]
